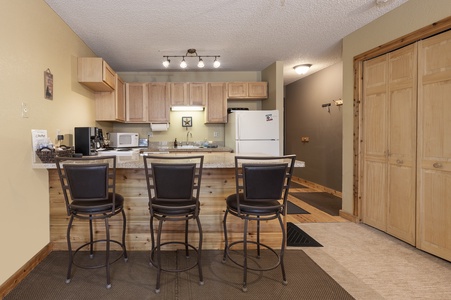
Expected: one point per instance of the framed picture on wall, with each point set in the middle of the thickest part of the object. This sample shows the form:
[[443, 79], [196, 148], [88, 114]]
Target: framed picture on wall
[[187, 121], [48, 85]]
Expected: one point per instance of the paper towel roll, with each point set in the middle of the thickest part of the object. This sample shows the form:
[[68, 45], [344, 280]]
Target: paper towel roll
[[159, 126]]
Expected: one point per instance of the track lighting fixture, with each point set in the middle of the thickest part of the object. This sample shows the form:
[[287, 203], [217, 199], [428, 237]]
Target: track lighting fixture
[[191, 53]]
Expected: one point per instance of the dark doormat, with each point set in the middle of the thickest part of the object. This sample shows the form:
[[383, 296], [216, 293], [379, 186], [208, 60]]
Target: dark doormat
[[296, 237], [323, 201], [295, 185], [294, 209]]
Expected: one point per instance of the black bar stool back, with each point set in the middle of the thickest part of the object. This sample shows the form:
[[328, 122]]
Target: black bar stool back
[[89, 189]]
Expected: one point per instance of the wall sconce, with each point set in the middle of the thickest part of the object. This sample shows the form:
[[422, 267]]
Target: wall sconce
[[191, 53], [302, 69]]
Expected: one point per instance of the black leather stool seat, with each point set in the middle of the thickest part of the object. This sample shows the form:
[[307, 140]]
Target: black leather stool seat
[[95, 207], [252, 206]]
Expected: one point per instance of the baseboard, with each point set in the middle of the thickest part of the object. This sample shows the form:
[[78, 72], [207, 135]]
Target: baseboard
[[17, 277], [317, 186], [348, 216]]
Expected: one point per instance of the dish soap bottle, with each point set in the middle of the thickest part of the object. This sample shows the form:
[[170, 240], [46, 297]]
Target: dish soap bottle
[[175, 143]]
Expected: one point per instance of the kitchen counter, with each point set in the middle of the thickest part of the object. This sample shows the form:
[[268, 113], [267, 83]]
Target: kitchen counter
[[218, 181]]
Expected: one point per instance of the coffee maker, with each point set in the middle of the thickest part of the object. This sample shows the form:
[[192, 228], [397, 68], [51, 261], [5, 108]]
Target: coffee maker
[[88, 140]]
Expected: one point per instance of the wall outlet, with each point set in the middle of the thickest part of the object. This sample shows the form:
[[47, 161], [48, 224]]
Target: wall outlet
[[24, 110], [215, 134]]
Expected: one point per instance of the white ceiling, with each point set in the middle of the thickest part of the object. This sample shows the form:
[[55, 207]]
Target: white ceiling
[[249, 35]]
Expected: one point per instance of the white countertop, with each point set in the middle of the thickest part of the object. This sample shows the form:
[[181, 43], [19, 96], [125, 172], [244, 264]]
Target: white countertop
[[214, 160]]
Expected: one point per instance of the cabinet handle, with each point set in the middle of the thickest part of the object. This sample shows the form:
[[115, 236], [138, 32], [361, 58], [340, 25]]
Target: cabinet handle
[[399, 161], [437, 165]]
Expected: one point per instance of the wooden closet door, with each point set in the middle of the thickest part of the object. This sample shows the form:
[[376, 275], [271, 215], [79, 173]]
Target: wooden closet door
[[402, 120], [389, 143], [434, 151], [375, 106]]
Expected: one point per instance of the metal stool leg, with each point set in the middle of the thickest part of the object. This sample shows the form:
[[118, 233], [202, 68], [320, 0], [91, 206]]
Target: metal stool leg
[[124, 248], [107, 254], [91, 238], [69, 247], [246, 221], [160, 225], [199, 252], [282, 251], [186, 239], [226, 242], [258, 237]]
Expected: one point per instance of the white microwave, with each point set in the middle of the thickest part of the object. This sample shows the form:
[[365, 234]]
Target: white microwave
[[122, 139]]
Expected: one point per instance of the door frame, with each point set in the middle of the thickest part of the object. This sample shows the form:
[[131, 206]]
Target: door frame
[[425, 32]]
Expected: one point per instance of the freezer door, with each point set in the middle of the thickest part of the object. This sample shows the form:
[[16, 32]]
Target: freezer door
[[258, 125], [258, 147]]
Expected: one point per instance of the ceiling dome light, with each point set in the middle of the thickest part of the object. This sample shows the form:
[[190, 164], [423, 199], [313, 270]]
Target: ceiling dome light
[[200, 64], [302, 69], [216, 63], [183, 64], [166, 63]]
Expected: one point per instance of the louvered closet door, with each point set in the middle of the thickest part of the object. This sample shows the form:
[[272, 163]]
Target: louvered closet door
[[389, 141], [434, 152]]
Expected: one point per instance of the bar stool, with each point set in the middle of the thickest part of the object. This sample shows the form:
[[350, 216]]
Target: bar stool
[[89, 189], [261, 182], [173, 184]]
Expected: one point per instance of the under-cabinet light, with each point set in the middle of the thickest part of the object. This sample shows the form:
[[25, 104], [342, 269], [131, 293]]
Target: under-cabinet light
[[187, 108]]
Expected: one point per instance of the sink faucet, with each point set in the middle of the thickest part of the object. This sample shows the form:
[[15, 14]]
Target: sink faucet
[[188, 134]]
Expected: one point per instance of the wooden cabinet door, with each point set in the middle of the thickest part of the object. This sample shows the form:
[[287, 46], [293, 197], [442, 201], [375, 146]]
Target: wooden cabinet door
[[434, 148], [136, 102], [197, 93], [216, 107], [179, 93], [389, 147], [258, 90], [237, 90], [96, 74], [158, 111], [110, 106]]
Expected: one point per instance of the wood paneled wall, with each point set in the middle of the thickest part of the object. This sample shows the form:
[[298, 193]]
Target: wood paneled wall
[[216, 185]]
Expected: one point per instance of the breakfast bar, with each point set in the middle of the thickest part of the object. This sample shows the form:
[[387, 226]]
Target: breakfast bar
[[218, 181]]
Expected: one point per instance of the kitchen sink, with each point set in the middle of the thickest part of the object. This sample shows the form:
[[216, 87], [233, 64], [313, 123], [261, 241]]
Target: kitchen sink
[[187, 147]]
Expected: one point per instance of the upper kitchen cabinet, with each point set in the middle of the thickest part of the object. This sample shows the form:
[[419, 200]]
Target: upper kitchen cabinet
[[247, 90], [198, 93], [158, 110], [179, 93], [136, 102], [96, 74], [110, 106], [216, 106], [188, 93]]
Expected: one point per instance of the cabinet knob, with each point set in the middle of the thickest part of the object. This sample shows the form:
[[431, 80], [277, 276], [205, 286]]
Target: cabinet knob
[[437, 165], [399, 161]]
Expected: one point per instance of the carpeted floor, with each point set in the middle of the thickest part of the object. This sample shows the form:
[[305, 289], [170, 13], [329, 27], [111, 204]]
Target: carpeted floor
[[136, 280], [323, 201]]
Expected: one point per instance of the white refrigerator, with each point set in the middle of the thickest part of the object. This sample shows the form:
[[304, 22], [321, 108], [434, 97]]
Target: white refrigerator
[[253, 132]]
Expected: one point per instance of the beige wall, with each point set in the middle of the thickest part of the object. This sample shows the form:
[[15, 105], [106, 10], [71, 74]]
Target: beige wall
[[407, 18], [273, 74], [33, 38]]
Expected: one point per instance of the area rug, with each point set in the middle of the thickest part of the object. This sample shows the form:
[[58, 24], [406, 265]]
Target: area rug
[[323, 201], [295, 185], [296, 237], [294, 209], [135, 279]]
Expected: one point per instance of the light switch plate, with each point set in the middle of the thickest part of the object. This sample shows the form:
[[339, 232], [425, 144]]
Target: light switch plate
[[24, 110]]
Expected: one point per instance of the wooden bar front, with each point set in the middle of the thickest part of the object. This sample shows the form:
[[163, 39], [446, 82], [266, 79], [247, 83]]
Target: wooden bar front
[[217, 184]]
